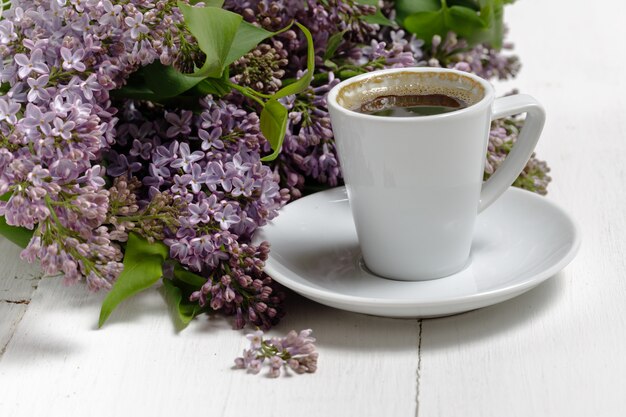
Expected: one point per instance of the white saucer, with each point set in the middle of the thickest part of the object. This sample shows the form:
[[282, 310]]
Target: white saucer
[[520, 241]]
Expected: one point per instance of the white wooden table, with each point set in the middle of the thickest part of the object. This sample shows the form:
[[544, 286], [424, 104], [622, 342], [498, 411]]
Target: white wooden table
[[555, 351]]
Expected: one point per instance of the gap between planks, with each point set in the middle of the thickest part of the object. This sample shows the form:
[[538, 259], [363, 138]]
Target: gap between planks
[[419, 366], [18, 281], [22, 306]]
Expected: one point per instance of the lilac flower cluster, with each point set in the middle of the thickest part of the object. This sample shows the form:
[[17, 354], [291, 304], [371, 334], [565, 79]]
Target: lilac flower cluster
[[55, 120], [296, 351], [323, 19], [391, 49], [502, 137], [481, 60], [211, 162], [59, 61]]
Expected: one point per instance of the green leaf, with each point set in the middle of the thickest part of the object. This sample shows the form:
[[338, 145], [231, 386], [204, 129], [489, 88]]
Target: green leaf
[[492, 18], [426, 24], [470, 4], [156, 82], [247, 38], [214, 86], [209, 3], [222, 35], [135, 92], [19, 235], [301, 84], [182, 311], [477, 21], [188, 277], [167, 81], [466, 22], [143, 266], [330, 64], [497, 35], [215, 30], [405, 8], [274, 125], [333, 43], [378, 19]]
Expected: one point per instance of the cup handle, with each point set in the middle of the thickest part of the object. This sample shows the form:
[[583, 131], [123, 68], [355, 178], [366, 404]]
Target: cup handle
[[515, 162]]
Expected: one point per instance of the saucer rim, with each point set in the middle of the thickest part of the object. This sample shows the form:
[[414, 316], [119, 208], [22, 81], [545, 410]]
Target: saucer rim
[[518, 288]]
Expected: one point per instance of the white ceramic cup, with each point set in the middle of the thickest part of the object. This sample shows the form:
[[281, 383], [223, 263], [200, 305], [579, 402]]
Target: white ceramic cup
[[415, 183]]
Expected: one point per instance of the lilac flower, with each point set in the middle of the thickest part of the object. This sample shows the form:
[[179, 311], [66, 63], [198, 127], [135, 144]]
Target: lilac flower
[[296, 350], [238, 165], [61, 106], [111, 15], [73, 60], [121, 166], [35, 118], [216, 176], [38, 88], [187, 158], [142, 150], [34, 63], [211, 140], [181, 183], [227, 217], [180, 124], [255, 338], [242, 187], [136, 25], [7, 32], [8, 110], [90, 86], [198, 178], [165, 155], [157, 175], [199, 213], [93, 177], [63, 128]]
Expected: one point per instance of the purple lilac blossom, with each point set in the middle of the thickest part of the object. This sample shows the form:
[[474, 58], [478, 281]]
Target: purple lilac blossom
[[60, 60], [229, 193], [296, 351]]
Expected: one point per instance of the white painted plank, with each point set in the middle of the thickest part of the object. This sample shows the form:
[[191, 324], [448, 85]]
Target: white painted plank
[[558, 350], [18, 279], [138, 365], [10, 315]]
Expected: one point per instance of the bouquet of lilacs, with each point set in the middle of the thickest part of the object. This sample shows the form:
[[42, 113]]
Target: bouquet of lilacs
[[143, 140]]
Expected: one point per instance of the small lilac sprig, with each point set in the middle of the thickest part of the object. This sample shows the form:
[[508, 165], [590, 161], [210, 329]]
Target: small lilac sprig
[[295, 351]]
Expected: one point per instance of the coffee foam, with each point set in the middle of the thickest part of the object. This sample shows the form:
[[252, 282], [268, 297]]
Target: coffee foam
[[405, 83]]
